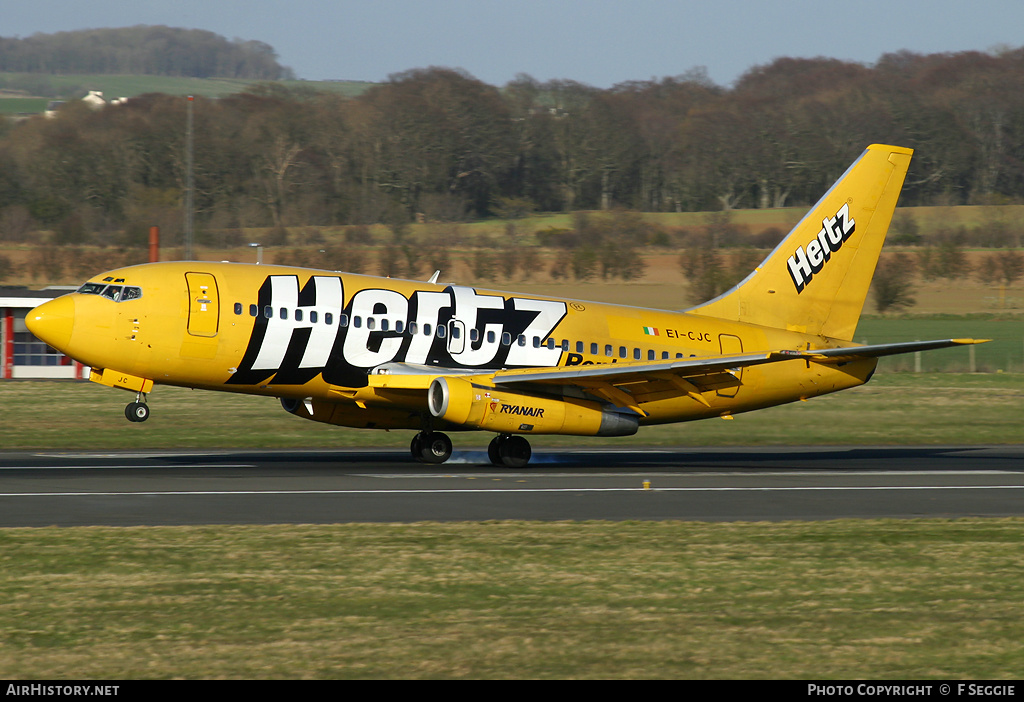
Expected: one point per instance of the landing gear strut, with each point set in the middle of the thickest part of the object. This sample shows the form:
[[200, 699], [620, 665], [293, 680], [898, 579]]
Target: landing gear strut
[[137, 411]]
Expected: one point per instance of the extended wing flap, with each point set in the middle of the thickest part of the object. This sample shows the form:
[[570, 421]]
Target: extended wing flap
[[629, 384]]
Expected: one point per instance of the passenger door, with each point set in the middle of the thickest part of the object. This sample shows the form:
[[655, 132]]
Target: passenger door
[[204, 304]]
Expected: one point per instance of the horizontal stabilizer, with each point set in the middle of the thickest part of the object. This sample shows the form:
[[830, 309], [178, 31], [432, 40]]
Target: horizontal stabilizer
[[878, 350]]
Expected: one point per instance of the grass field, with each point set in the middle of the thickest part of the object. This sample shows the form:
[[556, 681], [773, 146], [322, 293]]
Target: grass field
[[894, 408], [26, 105], [882, 599]]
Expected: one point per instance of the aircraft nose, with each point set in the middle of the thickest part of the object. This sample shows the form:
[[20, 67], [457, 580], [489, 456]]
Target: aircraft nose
[[52, 321]]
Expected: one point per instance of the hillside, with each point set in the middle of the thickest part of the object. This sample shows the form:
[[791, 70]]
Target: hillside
[[146, 50], [22, 93]]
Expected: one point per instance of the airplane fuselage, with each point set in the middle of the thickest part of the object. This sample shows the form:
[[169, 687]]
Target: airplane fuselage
[[318, 335]]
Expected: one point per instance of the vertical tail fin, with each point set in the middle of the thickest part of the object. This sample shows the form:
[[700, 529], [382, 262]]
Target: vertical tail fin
[[817, 279]]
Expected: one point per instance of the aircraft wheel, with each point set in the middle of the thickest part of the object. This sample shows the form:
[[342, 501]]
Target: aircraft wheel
[[435, 447], [416, 447], [494, 450], [515, 452], [137, 411]]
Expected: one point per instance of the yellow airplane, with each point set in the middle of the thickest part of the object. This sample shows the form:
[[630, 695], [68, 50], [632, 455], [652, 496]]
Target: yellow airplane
[[379, 353]]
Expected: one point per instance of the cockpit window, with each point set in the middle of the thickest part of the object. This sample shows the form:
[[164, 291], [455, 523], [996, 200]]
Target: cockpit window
[[117, 293]]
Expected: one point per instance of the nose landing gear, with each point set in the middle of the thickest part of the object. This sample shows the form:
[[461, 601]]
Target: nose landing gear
[[137, 411]]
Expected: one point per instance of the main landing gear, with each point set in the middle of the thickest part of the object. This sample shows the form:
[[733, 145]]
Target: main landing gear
[[137, 411], [431, 447], [507, 450]]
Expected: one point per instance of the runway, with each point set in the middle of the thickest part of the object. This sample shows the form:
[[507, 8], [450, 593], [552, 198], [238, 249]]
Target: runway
[[777, 483]]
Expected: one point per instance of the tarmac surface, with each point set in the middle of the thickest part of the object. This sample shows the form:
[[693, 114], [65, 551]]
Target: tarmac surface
[[707, 484]]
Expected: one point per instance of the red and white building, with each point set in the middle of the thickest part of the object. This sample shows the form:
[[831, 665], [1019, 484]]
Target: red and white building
[[22, 355]]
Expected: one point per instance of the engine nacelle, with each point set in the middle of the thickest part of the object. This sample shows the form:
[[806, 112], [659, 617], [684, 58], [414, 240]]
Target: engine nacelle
[[468, 404]]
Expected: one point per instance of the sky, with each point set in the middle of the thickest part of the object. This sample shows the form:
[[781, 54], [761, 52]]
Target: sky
[[596, 42]]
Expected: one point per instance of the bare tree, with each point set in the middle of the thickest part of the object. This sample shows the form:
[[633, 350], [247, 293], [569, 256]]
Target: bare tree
[[893, 283]]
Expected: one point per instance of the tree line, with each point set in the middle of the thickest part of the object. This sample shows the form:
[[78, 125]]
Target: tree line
[[438, 145], [141, 50]]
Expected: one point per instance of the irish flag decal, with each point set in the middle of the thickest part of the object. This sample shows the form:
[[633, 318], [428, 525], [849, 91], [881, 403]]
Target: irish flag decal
[[651, 331]]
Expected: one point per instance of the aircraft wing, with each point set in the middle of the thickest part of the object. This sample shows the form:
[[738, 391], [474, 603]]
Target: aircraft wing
[[621, 384], [630, 384]]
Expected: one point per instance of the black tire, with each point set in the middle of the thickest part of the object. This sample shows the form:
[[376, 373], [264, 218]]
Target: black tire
[[494, 450], [515, 452], [416, 447], [435, 447], [137, 411]]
